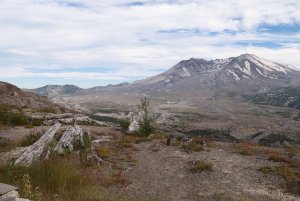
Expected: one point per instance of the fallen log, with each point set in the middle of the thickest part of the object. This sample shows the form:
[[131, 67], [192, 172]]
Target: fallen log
[[34, 151], [67, 139]]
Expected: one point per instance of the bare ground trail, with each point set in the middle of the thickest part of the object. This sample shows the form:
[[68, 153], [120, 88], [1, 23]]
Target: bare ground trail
[[164, 173]]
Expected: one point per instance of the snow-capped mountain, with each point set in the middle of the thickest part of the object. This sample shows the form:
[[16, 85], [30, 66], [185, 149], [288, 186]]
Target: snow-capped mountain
[[245, 71], [243, 67]]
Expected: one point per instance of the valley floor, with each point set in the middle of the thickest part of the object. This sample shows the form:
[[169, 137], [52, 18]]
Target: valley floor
[[164, 173]]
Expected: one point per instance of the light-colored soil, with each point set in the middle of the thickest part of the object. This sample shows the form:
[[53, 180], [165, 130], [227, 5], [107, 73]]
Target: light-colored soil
[[164, 173], [17, 133]]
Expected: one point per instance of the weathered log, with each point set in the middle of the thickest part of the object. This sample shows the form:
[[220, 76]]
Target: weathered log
[[59, 116], [34, 152], [66, 141]]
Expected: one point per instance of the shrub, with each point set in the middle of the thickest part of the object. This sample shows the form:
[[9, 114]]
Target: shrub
[[267, 169], [37, 122], [245, 148], [83, 145], [192, 147], [200, 166], [10, 117], [124, 123], [146, 121], [28, 191], [18, 119]]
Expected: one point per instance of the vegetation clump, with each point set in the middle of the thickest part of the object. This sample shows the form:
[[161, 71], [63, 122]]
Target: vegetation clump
[[276, 157], [10, 116], [124, 124], [146, 121], [6, 144], [30, 139], [267, 170], [200, 166], [37, 122], [84, 146], [245, 148]]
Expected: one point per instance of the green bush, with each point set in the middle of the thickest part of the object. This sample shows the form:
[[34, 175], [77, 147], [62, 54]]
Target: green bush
[[10, 117], [146, 121], [84, 147], [192, 147], [37, 122], [18, 119], [124, 124], [200, 166], [267, 169]]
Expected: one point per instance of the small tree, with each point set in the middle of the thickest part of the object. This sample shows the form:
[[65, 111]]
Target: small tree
[[145, 121], [124, 124]]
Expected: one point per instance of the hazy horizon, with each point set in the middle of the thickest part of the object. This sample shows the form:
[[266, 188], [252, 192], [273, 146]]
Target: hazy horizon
[[94, 43]]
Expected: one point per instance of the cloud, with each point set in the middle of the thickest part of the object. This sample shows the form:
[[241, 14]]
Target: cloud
[[135, 39]]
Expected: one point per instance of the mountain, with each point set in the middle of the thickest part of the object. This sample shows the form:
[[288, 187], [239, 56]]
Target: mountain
[[51, 90], [245, 73], [12, 95]]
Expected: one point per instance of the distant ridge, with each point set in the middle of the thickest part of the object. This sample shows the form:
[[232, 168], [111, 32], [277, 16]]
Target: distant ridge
[[50, 90]]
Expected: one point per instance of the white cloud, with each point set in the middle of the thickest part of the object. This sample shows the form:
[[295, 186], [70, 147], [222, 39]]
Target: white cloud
[[61, 34]]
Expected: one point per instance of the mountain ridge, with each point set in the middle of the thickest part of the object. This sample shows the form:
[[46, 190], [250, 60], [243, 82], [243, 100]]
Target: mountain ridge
[[12, 95]]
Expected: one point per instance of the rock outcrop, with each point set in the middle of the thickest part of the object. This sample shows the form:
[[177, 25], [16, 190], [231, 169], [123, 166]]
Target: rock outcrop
[[9, 193]]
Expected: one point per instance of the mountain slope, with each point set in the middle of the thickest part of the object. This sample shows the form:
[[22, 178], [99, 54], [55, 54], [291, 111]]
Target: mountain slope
[[283, 97], [12, 95]]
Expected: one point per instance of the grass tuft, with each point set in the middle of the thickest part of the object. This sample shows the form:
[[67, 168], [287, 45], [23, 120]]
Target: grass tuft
[[200, 166]]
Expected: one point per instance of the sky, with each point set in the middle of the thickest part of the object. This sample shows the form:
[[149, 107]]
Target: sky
[[98, 42]]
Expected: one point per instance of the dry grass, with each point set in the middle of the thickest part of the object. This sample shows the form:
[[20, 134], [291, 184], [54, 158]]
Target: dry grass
[[106, 152], [192, 147], [126, 141], [6, 145], [65, 178], [267, 169], [291, 176], [246, 148], [293, 151], [276, 157], [204, 141]]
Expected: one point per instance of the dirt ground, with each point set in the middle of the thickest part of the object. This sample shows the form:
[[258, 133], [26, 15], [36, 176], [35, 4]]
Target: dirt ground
[[164, 173], [19, 132]]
